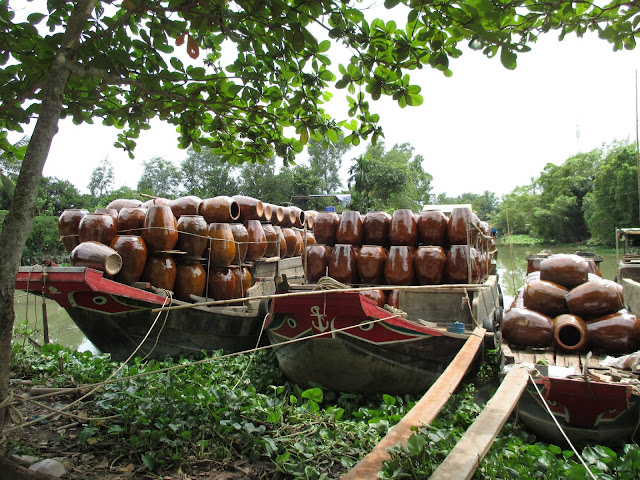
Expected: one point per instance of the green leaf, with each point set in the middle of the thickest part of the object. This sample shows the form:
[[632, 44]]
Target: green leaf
[[508, 58], [148, 460], [314, 394], [35, 18]]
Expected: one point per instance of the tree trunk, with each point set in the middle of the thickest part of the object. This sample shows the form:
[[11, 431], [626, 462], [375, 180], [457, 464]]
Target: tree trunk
[[18, 221]]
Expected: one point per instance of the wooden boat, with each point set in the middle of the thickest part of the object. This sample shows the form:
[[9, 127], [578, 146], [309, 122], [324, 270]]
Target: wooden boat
[[343, 341], [591, 401], [116, 317], [627, 253]]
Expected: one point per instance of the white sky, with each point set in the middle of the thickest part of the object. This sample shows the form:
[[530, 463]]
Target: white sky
[[486, 128]]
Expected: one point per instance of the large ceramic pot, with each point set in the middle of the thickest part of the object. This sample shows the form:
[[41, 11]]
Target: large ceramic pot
[[272, 240], [616, 334], [595, 298], [156, 201], [457, 227], [220, 209], [222, 246], [97, 227], [393, 299], [131, 220], [160, 271], [545, 297], [570, 333], [376, 295], [403, 229], [243, 282], [430, 263], [288, 217], [109, 211], [299, 218], [432, 227], [310, 218], [68, 224], [458, 264], [342, 264], [189, 205], [96, 255], [250, 208], [308, 238], [398, 269], [325, 227], [350, 228], [193, 235], [277, 215], [221, 284], [120, 203], [564, 269], [523, 327], [241, 237], [317, 262], [299, 243], [375, 228], [133, 251], [257, 240], [370, 261], [291, 240], [267, 212], [160, 230], [191, 279], [281, 245]]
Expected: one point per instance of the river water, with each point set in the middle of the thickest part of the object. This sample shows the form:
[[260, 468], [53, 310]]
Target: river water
[[512, 267]]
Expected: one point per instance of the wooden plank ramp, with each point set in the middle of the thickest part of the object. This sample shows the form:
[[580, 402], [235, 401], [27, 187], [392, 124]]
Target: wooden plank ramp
[[423, 412], [464, 459]]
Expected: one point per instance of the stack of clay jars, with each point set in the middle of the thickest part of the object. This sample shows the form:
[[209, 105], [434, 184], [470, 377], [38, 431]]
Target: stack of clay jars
[[399, 249], [568, 305], [172, 244]]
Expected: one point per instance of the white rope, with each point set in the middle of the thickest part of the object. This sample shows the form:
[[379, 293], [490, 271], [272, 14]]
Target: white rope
[[560, 428]]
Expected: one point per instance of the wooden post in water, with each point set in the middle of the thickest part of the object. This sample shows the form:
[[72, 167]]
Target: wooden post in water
[[423, 412], [45, 320]]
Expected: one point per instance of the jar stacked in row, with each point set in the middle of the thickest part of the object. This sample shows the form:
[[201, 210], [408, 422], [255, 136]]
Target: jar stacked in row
[[568, 305], [399, 249], [163, 242]]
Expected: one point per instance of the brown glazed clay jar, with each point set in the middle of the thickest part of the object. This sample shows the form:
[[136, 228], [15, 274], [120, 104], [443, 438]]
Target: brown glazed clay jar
[[291, 240], [191, 279], [432, 228], [120, 203], [222, 246], [398, 269], [523, 327], [618, 333], [160, 271], [220, 209], [96, 255], [430, 263], [299, 243], [393, 298], [250, 208], [97, 227], [457, 226], [222, 283], [133, 251], [298, 217], [325, 227], [595, 298], [375, 228], [370, 261], [272, 240], [570, 333], [189, 205], [342, 264], [241, 237], [457, 264], [160, 230], [317, 262], [545, 297], [131, 220], [243, 281], [564, 269], [68, 224], [403, 229], [257, 240], [281, 242], [350, 228], [193, 235], [376, 295], [109, 211]]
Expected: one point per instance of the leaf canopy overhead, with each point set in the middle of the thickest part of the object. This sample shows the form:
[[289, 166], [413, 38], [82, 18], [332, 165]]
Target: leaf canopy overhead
[[263, 69]]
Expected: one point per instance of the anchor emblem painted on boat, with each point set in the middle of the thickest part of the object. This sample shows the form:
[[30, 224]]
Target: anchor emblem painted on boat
[[320, 324]]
